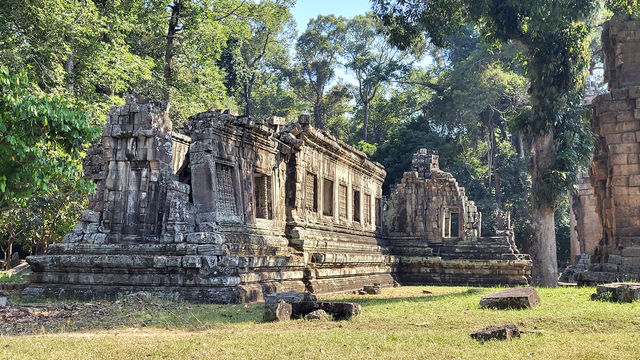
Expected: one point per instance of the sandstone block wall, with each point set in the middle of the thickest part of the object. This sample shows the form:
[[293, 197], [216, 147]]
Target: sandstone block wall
[[586, 228], [615, 171]]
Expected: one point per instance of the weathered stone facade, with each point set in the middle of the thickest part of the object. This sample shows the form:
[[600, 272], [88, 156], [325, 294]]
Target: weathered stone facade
[[586, 228], [240, 207], [615, 171], [434, 231]]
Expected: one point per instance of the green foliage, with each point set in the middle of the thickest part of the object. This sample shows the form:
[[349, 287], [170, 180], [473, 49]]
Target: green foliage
[[317, 52], [372, 60], [253, 59], [563, 233], [76, 49], [42, 138], [366, 147], [553, 36]]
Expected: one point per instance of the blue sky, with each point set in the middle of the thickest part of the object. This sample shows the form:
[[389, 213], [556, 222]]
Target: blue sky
[[308, 9]]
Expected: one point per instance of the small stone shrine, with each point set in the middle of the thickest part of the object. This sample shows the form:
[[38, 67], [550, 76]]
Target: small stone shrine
[[238, 208]]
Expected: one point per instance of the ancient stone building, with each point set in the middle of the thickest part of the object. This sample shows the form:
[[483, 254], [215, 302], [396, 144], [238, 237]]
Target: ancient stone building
[[240, 207], [434, 231], [615, 172]]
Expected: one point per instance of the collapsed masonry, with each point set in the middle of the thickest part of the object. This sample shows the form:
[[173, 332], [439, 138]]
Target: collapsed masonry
[[615, 169], [241, 207]]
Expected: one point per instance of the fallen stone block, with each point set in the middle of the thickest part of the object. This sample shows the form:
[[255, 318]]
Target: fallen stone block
[[518, 298], [279, 311], [617, 292], [289, 297], [318, 315], [372, 289], [504, 332], [339, 311]]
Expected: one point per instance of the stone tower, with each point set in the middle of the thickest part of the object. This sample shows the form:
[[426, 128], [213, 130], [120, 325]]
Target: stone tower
[[615, 172]]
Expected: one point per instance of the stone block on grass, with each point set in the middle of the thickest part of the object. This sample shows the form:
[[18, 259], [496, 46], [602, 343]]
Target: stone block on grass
[[280, 311], [504, 332], [518, 298]]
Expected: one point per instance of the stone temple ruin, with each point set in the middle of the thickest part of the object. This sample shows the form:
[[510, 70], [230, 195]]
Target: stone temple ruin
[[237, 208], [612, 198]]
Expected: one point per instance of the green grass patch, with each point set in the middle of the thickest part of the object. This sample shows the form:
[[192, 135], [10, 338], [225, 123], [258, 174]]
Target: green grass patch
[[7, 277], [402, 323]]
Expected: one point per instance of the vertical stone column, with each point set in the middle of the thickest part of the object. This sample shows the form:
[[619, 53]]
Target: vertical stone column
[[616, 165], [137, 148]]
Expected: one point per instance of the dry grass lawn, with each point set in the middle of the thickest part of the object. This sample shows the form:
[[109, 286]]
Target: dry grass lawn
[[402, 323]]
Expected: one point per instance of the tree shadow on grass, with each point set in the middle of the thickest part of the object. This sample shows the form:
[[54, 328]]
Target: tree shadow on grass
[[370, 301], [65, 315]]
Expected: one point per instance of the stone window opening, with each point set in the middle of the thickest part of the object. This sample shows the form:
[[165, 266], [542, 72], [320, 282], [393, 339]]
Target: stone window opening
[[378, 204], [342, 201], [311, 192], [262, 196], [327, 197], [367, 209], [226, 203], [451, 224], [356, 205]]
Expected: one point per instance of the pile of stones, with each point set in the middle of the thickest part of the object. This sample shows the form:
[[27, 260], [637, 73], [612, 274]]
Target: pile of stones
[[295, 305]]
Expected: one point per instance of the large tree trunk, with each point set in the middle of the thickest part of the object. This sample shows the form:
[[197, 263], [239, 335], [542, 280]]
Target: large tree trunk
[[317, 116], [365, 122], [543, 249], [168, 54]]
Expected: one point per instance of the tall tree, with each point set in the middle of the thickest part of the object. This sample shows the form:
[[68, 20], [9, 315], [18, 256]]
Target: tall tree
[[251, 58], [371, 58], [552, 35], [75, 48], [317, 53]]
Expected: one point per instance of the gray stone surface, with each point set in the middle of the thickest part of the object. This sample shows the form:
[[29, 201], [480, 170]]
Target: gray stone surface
[[289, 297], [518, 298], [503, 332], [4, 300], [279, 311], [372, 289], [318, 315], [338, 310], [617, 292]]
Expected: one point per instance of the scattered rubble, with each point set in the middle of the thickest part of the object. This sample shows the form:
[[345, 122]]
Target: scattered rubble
[[504, 332], [318, 315], [292, 305], [280, 311], [289, 297], [374, 289]]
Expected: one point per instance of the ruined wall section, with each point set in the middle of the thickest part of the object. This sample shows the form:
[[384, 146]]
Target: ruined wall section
[[615, 171], [334, 199], [143, 234], [586, 228], [434, 231]]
